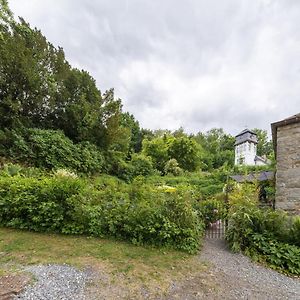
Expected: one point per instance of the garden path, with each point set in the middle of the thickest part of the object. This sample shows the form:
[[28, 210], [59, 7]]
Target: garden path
[[235, 276]]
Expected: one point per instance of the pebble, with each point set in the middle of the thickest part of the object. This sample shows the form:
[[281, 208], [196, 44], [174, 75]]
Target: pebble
[[248, 280], [59, 282]]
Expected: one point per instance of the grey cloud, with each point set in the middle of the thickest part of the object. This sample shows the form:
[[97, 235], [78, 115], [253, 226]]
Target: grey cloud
[[196, 64]]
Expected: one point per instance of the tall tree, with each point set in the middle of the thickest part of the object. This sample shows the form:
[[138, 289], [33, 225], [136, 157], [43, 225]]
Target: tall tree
[[218, 147], [186, 151], [157, 149], [38, 88], [264, 146], [128, 121]]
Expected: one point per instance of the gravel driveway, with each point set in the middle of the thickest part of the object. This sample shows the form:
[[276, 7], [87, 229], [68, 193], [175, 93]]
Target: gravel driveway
[[59, 282], [229, 276], [240, 278]]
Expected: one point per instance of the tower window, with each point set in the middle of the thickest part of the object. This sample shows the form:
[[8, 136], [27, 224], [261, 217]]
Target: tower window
[[241, 160]]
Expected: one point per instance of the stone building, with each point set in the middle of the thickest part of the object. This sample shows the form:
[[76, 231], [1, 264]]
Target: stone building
[[245, 149], [286, 139]]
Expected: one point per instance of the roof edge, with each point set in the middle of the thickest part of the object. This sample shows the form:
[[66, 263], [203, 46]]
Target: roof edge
[[292, 120], [244, 131]]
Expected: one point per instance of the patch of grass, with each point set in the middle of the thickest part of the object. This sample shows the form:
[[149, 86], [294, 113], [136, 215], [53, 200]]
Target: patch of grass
[[140, 265]]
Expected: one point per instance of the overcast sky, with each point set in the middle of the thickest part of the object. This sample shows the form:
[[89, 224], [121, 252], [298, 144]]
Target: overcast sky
[[194, 63]]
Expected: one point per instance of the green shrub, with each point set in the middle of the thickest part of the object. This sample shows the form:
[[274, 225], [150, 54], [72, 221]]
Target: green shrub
[[50, 149], [144, 214], [104, 206], [37, 204], [116, 165], [172, 167], [263, 234], [12, 169], [141, 165], [279, 255], [91, 160], [294, 236], [203, 185]]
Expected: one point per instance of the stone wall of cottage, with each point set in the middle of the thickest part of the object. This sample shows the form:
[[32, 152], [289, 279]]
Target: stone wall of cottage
[[288, 168]]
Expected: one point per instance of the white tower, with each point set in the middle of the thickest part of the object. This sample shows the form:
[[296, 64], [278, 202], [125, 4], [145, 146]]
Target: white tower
[[245, 148]]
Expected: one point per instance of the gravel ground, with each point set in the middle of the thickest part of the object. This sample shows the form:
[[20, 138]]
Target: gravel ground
[[229, 276], [239, 278], [60, 282]]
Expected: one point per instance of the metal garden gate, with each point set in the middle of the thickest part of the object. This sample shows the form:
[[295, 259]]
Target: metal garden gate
[[216, 219]]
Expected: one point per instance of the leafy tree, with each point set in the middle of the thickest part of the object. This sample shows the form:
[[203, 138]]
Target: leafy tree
[[38, 88], [128, 121], [264, 146], [179, 132], [157, 149], [117, 137], [218, 148], [141, 165], [186, 152]]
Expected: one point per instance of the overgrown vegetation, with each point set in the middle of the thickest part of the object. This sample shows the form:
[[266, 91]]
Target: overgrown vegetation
[[54, 116], [139, 212], [61, 138], [264, 234]]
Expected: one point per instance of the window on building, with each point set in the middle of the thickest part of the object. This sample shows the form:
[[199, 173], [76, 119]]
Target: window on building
[[241, 160]]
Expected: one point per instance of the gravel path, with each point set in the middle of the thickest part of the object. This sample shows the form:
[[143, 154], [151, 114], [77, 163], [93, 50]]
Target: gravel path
[[60, 282], [229, 276], [240, 278]]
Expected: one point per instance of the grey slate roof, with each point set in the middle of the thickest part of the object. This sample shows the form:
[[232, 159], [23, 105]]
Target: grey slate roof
[[244, 136], [260, 158], [253, 177]]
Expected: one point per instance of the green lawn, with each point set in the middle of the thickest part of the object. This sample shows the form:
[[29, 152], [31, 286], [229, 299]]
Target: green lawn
[[143, 265]]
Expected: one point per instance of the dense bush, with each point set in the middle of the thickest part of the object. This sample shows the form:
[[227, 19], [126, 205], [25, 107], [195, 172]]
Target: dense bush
[[139, 212], [202, 184], [172, 167], [40, 204], [279, 255], [264, 234], [50, 149], [295, 231], [141, 165]]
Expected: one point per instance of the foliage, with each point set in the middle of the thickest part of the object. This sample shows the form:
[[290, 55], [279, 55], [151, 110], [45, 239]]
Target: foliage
[[65, 173], [43, 204], [50, 149], [279, 255], [139, 212], [157, 149], [116, 165], [141, 165], [294, 234], [183, 149], [218, 148], [172, 167], [11, 169], [212, 210], [128, 121], [264, 146], [263, 233], [186, 152], [203, 185], [39, 89]]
